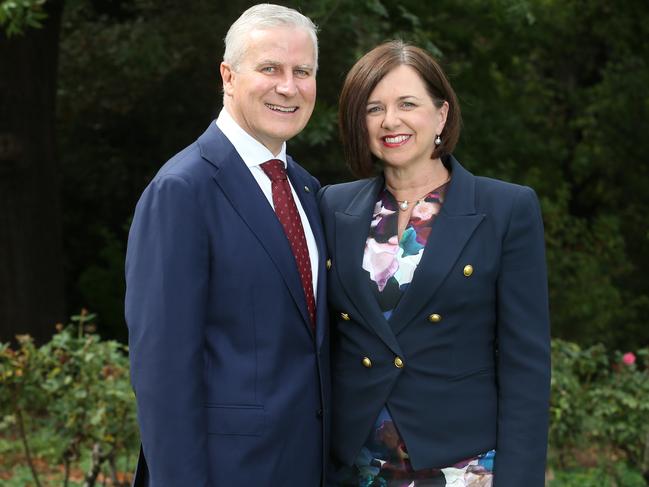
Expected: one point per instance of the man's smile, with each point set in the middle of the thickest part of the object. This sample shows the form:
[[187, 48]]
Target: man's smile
[[281, 109]]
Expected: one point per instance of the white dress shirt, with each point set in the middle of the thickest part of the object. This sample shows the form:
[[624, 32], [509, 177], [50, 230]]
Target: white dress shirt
[[254, 154]]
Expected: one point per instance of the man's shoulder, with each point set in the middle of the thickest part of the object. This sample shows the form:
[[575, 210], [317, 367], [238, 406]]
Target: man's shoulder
[[180, 175], [184, 164], [188, 164], [198, 158]]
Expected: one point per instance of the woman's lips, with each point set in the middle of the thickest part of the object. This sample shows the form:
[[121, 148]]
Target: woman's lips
[[395, 140]]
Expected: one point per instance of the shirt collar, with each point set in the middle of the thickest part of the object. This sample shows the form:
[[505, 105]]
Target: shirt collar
[[250, 149]]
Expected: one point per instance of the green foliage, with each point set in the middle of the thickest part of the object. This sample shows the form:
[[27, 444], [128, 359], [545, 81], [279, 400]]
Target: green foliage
[[75, 385], [549, 99], [599, 405], [619, 475], [69, 402], [102, 285], [137, 82], [586, 260], [17, 15]]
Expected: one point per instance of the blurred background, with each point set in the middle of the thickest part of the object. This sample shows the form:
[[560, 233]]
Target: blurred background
[[95, 95]]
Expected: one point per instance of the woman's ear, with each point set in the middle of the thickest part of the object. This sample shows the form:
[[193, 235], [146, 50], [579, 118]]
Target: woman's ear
[[442, 113]]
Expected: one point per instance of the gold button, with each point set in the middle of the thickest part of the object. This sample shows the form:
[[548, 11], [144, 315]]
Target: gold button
[[328, 264], [367, 363], [344, 316], [434, 318], [398, 363], [468, 270]]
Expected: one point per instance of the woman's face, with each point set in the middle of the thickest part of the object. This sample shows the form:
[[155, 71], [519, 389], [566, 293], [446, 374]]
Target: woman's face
[[402, 120]]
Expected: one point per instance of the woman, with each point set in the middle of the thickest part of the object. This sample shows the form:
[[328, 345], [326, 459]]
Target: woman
[[437, 285]]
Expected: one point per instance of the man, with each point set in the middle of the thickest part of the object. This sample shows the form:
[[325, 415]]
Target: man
[[225, 298]]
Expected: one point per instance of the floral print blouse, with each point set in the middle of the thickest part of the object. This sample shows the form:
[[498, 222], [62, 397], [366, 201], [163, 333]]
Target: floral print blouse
[[390, 263]]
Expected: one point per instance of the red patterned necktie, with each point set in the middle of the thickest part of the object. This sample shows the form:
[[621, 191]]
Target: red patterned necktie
[[289, 217]]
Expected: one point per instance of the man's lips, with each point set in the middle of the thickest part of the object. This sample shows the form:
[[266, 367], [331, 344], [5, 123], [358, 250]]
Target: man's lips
[[395, 140], [281, 109]]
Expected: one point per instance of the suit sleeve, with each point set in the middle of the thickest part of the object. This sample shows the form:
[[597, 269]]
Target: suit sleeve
[[523, 349], [167, 277]]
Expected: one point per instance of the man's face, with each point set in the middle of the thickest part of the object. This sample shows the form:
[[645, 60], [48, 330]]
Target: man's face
[[271, 94]]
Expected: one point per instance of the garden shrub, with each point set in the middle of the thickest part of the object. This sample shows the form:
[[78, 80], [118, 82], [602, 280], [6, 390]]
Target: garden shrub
[[77, 386], [76, 389], [599, 407]]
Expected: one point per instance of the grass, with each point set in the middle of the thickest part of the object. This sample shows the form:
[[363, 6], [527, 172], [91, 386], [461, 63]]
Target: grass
[[616, 475], [14, 471]]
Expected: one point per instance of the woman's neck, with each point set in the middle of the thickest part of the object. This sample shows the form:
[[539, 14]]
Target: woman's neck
[[408, 183]]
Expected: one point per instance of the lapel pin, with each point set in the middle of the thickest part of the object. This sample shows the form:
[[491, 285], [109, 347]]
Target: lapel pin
[[306, 188]]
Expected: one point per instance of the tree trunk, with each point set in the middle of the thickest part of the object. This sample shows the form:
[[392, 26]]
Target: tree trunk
[[31, 259]]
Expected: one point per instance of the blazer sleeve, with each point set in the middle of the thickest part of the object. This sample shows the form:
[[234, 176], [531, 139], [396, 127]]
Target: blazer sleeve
[[167, 278], [523, 337]]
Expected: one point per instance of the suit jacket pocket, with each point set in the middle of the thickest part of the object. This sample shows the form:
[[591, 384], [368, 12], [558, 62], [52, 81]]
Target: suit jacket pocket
[[473, 373], [236, 420]]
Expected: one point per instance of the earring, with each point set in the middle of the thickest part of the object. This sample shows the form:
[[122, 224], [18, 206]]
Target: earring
[[438, 140]]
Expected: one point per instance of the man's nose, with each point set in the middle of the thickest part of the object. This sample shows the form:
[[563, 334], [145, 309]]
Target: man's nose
[[286, 85]]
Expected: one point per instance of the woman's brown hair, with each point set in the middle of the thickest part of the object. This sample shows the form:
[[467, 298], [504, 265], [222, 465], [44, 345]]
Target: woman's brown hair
[[361, 81]]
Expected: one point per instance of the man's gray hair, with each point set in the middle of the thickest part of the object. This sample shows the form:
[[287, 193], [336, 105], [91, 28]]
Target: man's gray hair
[[264, 16]]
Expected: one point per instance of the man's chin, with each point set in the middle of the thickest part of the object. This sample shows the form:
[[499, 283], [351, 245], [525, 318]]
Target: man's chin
[[287, 134]]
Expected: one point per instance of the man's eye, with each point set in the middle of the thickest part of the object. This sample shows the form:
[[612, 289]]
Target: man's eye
[[301, 73], [268, 69]]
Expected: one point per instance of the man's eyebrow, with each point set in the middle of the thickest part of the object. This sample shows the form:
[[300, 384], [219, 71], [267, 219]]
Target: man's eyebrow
[[270, 62]]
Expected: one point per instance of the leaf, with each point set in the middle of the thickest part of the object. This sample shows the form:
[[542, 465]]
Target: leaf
[[377, 7]]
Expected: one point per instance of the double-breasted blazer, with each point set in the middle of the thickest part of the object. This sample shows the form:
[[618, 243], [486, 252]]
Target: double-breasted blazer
[[463, 362], [232, 384]]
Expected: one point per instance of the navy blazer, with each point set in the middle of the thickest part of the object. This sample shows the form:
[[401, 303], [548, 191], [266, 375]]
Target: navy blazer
[[232, 386], [475, 377]]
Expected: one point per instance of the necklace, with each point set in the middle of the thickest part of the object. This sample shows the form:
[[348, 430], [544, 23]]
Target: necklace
[[405, 204]]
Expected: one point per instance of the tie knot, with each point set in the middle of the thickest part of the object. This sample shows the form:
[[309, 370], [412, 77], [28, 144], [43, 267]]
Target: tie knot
[[274, 169]]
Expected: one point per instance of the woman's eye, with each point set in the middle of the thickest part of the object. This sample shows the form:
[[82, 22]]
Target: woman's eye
[[407, 104], [373, 109]]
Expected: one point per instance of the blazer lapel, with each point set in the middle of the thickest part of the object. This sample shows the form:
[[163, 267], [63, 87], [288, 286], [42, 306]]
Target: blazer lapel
[[451, 230], [352, 228], [240, 187], [308, 200]]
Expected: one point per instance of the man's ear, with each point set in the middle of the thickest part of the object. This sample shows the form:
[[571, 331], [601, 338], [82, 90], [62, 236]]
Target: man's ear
[[227, 75]]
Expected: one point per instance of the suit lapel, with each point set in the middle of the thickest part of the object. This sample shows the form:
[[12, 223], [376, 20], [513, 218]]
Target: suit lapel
[[308, 201], [247, 199], [352, 228], [451, 230]]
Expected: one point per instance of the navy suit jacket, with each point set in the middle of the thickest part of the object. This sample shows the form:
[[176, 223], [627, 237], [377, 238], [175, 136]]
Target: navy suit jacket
[[477, 376], [232, 385]]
